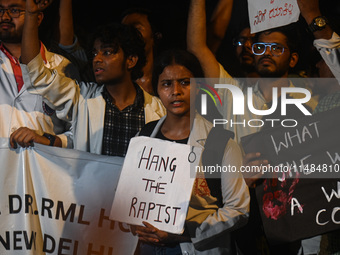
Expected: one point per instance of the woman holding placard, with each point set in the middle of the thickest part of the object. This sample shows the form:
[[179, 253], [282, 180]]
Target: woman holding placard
[[208, 225]]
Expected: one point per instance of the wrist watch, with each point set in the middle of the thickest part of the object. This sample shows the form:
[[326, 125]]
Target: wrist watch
[[318, 23], [50, 137]]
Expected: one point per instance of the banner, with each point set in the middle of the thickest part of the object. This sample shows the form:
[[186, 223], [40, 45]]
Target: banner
[[266, 14], [301, 196], [155, 184], [58, 201]]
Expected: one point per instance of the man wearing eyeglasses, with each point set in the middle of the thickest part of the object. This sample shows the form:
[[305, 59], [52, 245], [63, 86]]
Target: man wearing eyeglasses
[[269, 63], [243, 50], [18, 108], [274, 55]]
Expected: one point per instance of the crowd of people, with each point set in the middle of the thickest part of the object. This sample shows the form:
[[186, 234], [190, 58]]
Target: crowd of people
[[96, 96]]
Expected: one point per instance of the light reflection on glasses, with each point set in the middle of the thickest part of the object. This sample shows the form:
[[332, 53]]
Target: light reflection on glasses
[[275, 48], [240, 41]]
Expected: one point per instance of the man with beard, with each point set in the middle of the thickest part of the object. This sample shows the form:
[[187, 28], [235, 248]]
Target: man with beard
[[104, 115], [275, 55], [243, 50], [216, 30], [17, 106], [272, 61]]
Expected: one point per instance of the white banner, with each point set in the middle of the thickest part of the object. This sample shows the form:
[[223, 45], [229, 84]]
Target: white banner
[[155, 184], [266, 14], [58, 201]]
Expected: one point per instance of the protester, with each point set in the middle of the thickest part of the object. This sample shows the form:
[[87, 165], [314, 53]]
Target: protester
[[93, 109], [18, 108], [327, 42], [207, 225], [279, 66], [242, 42], [218, 24], [275, 54], [329, 87], [104, 115], [145, 21], [64, 41]]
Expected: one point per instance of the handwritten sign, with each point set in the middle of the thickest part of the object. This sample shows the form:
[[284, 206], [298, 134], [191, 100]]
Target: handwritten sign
[[155, 184], [311, 148], [301, 197], [295, 212], [266, 14]]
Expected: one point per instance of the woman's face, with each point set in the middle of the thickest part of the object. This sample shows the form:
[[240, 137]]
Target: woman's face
[[174, 89]]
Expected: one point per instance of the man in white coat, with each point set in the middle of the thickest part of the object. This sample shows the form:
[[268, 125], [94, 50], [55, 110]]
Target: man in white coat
[[104, 115], [17, 106]]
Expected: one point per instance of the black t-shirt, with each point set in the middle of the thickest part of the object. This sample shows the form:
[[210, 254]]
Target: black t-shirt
[[149, 127]]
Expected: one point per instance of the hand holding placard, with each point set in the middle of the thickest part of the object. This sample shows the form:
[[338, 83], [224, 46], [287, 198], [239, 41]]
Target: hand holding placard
[[155, 184]]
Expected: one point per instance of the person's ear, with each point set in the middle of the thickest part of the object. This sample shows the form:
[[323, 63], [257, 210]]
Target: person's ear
[[40, 17], [294, 58], [131, 62]]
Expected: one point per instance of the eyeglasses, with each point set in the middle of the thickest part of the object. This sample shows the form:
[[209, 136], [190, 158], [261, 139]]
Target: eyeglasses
[[275, 48], [13, 12], [240, 41]]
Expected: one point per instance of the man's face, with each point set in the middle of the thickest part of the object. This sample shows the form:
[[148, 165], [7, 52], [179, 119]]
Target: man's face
[[11, 28], [243, 52], [110, 66], [141, 23], [271, 65]]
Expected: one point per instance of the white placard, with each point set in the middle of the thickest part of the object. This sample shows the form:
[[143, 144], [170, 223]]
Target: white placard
[[155, 184], [266, 14]]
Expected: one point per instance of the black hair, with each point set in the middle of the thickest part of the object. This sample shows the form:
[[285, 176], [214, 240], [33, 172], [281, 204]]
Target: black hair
[[154, 23], [128, 39], [175, 56], [290, 31]]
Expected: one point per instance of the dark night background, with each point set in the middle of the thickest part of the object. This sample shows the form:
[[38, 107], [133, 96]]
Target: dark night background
[[172, 16]]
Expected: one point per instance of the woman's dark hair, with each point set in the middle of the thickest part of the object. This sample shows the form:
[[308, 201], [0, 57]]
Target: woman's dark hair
[[179, 57], [127, 38]]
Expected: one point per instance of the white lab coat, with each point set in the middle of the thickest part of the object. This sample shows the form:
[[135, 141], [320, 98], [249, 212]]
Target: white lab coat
[[82, 104]]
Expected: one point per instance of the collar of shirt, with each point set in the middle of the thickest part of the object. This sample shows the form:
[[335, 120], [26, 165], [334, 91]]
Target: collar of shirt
[[16, 64], [138, 103], [14, 60]]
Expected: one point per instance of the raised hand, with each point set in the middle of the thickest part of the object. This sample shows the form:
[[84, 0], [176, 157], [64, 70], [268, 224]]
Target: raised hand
[[35, 6], [309, 9]]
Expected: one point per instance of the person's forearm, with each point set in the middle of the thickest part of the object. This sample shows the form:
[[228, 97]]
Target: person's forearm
[[65, 28], [309, 10], [218, 24], [196, 30], [325, 33], [30, 38], [196, 39]]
